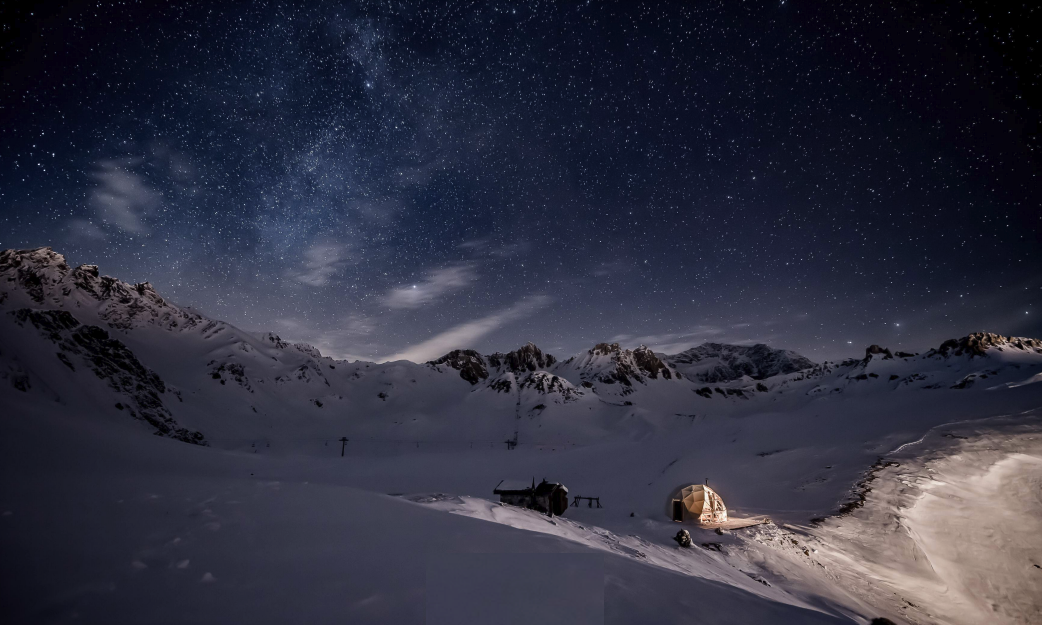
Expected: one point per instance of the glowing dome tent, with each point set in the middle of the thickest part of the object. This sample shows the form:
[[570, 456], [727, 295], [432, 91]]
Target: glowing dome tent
[[697, 503]]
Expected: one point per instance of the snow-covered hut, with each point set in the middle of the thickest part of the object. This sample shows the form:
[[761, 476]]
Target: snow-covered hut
[[697, 503], [547, 497]]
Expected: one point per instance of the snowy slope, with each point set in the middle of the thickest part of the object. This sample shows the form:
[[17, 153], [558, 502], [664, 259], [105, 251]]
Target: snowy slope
[[181, 533], [90, 366]]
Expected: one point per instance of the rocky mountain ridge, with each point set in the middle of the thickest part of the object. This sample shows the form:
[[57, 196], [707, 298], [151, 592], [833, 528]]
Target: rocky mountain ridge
[[40, 278], [717, 362], [183, 373]]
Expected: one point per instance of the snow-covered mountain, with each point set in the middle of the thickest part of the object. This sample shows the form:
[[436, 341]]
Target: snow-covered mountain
[[89, 363], [73, 335], [716, 362], [40, 278], [981, 360]]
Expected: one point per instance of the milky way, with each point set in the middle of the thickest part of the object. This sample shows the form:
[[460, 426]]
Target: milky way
[[394, 180]]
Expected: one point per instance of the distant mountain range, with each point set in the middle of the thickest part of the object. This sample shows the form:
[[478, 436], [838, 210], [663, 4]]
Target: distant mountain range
[[113, 350], [717, 362]]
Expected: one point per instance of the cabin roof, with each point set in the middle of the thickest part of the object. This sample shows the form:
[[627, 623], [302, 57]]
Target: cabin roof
[[513, 486], [545, 488]]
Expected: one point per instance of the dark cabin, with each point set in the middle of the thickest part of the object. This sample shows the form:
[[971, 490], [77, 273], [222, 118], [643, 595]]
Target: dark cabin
[[546, 497]]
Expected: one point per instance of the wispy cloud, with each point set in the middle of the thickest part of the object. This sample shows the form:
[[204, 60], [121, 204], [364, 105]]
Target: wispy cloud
[[123, 198], [439, 282], [321, 262], [464, 335], [673, 342], [84, 229], [353, 337]]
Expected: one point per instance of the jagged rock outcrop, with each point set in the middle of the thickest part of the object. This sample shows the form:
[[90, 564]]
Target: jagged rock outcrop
[[647, 362], [550, 384], [470, 364], [234, 371], [308, 350], [718, 362], [40, 278], [36, 272], [608, 363], [875, 350], [274, 340], [978, 343], [111, 361], [527, 358]]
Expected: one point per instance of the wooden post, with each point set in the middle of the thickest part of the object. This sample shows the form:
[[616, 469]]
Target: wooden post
[[343, 445]]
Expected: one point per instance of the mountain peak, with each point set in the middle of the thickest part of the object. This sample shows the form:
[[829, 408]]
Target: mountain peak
[[609, 363], [40, 278], [605, 349], [720, 362], [38, 256], [470, 364], [526, 358], [978, 343]]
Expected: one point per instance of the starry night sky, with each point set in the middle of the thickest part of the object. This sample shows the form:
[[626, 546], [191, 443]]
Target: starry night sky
[[387, 179]]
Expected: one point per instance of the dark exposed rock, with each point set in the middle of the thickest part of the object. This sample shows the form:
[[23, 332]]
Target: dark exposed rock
[[966, 382], [470, 364], [65, 361], [276, 342], [904, 355], [651, 364], [547, 383], [875, 350], [527, 358], [718, 362], [51, 323], [236, 371], [112, 362], [502, 385]]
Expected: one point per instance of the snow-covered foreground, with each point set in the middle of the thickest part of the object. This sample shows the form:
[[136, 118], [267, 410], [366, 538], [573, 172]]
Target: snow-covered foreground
[[103, 525]]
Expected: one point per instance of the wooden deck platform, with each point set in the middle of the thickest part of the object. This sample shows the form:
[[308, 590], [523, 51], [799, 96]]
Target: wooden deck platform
[[735, 523]]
